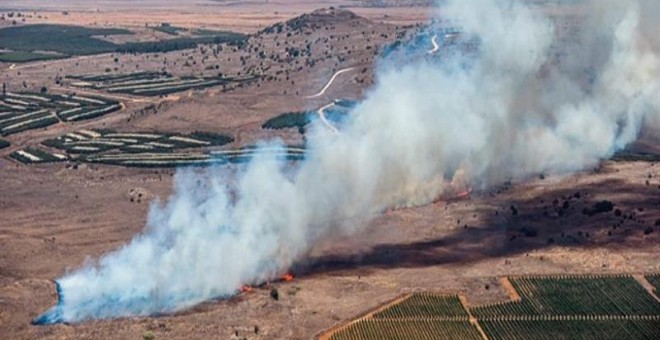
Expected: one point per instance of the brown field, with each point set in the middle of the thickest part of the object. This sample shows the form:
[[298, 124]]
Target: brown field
[[54, 217]]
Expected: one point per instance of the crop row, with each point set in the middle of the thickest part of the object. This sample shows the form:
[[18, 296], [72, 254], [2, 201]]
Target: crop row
[[36, 155], [97, 141], [171, 159], [425, 305], [571, 329], [25, 111], [147, 83], [13, 122], [367, 329], [596, 295]]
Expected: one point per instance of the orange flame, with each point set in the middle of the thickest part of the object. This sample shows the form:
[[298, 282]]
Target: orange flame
[[245, 289], [287, 277]]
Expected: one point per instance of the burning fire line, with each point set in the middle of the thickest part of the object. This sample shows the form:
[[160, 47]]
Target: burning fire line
[[288, 277]]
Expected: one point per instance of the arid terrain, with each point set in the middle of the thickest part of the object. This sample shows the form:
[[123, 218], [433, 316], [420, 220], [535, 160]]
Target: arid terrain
[[54, 217]]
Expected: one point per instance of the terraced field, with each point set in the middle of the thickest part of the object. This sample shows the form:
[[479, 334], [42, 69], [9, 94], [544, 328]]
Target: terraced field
[[145, 149], [148, 83], [550, 307], [24, 111]]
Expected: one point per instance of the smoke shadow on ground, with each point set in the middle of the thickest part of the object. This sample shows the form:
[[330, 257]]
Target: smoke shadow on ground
[[565, 217]]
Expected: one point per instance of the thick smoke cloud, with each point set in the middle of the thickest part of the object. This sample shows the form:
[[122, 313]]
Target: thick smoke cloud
[[525, 99]]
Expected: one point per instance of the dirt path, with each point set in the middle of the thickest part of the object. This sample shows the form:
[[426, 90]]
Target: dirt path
[[325, 88], [510, 290], [436, 47], [325, 121], [647, 285], [327, 334]]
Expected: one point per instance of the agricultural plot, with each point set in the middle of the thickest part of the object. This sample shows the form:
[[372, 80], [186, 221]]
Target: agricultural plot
[[61, 41], [152, 149], [573, 307], [37, 155], [418, 316], [550, 307], [571, 329], [408, 329], [575, 296], [425, 305], [25, 110], [147, 83]]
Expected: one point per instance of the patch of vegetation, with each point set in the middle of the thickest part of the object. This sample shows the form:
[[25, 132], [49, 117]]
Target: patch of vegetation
[[4, 144], [65, 39], [598, 208], [575, 295], [36, 155], [169, 29], [216, 139], [288, 120], [630, 156], [425, 305], [24, 57], [182, 43], [401, 329], [571, 329], [77, 40]]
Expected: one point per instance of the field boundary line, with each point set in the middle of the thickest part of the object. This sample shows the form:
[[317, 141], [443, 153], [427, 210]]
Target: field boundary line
[[510, 289], [328, 333], [641, 279], [471, 318]]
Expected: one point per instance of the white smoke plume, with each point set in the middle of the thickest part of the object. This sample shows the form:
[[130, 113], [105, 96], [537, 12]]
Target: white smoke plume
[[528, 99]]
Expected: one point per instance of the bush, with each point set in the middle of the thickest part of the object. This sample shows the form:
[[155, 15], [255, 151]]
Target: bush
[[288, 120], [274, 294], [600, 207], [216, 139]]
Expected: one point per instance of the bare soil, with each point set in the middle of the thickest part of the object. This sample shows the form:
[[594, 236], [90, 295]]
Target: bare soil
[[55, 217]]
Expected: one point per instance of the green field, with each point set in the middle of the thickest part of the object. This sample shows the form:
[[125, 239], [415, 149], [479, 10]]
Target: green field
[[425, 305], [288, 120], [66, 40], [572, 329], [23, 111], [575, 295], [408, 329], [148, 83], [551, 307], [23, 56]]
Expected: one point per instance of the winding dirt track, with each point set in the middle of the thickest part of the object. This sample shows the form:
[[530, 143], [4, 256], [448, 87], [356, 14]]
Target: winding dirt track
[[324, 120], [436, 47], [325, 88]]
